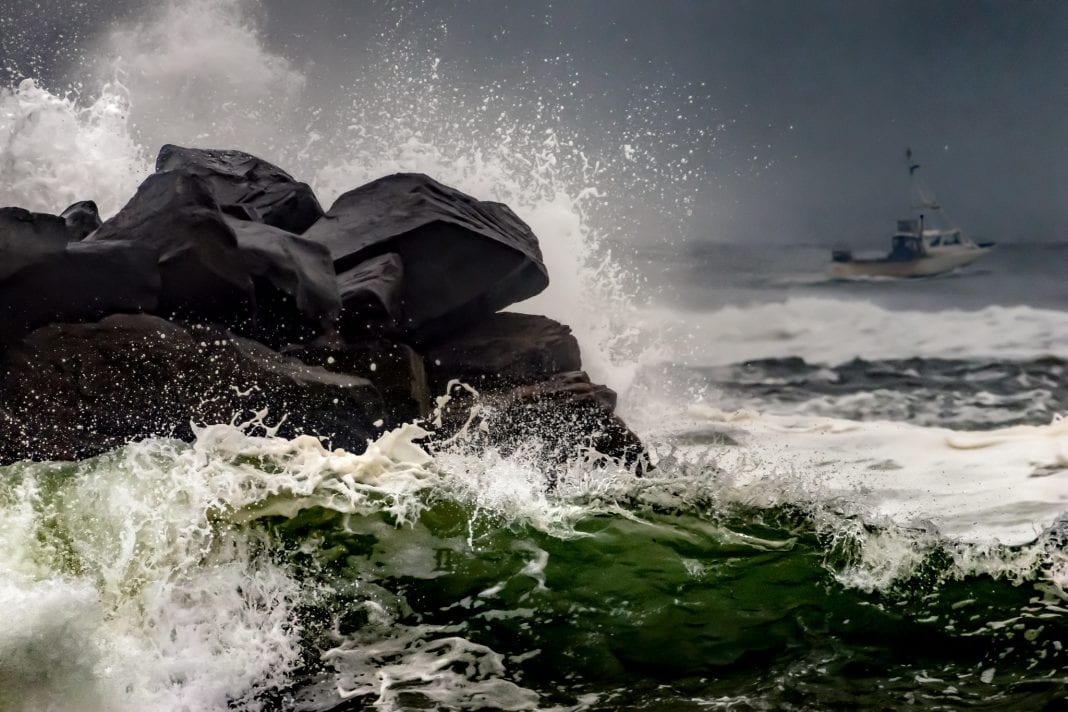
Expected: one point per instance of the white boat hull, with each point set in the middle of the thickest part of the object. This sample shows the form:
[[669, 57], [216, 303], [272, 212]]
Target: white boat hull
[[925, 266]]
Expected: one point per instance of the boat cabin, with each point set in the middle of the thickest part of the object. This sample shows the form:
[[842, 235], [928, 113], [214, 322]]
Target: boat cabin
[[905, 247], [943, 238]]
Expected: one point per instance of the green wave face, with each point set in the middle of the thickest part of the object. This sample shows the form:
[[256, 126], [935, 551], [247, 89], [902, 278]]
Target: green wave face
[[252, 573], [672, 610]]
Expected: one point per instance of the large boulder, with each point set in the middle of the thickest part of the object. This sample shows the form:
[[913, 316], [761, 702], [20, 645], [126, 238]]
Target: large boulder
[[73, 282], [503, 349], [259, 190], [296, 292], [463, 259], [204, 275], [253, 278], [74, 390], [371, 296], [25, 235]]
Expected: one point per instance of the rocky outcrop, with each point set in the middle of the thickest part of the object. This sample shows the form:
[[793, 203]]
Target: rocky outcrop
[[395, 368], [522, 380], [256, 279], [259, 190], [75, 390], [78, 281], [295, 290], [558, 418], [24, 235], [463, 259], [140, 326], [81, 219], [371, 296], [202, 272], [504, 349]]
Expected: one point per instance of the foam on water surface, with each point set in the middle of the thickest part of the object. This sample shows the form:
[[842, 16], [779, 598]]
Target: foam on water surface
[[832, 331], [141, 587], [1001, 486], [210, 576]]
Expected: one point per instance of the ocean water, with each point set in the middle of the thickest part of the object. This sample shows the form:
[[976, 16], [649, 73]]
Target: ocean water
[[859, 498]]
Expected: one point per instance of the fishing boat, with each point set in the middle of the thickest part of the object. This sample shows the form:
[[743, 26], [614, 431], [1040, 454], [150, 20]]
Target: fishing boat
[[921, 247]]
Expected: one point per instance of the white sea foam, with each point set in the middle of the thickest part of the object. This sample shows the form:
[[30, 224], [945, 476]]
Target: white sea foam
[[56, 150], [1000, 486], [139, 584], [833, 331], [925, 406]]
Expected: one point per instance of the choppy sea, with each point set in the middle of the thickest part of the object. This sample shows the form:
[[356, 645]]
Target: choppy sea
[[859, 496]]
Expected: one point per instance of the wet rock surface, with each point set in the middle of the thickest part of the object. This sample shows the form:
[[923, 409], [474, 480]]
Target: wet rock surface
[[463, 259], [78, 282], [503, 349], [563, 416], [221, 291], [262, 191], [81, 219], [294, 287], [371, 297], [202, 273], [75, 390], [394, 367]]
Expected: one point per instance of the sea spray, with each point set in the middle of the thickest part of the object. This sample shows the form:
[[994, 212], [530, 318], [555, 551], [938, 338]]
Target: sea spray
[[169, 600], [764, 564], [249, 572], [207, 57], [56, 150]]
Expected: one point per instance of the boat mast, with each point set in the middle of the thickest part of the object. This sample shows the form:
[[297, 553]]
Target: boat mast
[[925, 199]]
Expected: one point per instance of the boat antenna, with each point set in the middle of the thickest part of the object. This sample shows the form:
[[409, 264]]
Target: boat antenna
[[925, 199], [908, 159]]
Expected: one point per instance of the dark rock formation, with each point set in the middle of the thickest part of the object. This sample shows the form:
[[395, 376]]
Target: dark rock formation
[[296, 293], [260, 191], [255, 279], [556, 418], [81, 218], [394, 368], [503, 349], [390, 297], [80, 281], [24, 235], [529, 390], [463, 258], [75, 390], [371, 296], [203, 273]]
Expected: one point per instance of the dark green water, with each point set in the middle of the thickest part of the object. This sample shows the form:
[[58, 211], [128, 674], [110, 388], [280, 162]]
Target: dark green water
[[669, 610], [259, 574]]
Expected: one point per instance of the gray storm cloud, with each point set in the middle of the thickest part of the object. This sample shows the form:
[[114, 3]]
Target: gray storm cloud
[[779, 121]]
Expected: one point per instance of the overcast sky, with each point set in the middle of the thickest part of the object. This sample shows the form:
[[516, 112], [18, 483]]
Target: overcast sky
[[797, 113]]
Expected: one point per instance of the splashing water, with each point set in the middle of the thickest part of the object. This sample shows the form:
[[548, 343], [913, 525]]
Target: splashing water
[[141, 587], [55, 151], [208, 57], [243, 572], [255, 573]]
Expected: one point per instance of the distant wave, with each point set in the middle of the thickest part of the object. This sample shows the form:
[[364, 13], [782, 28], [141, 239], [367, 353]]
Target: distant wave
[[832, 331]]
